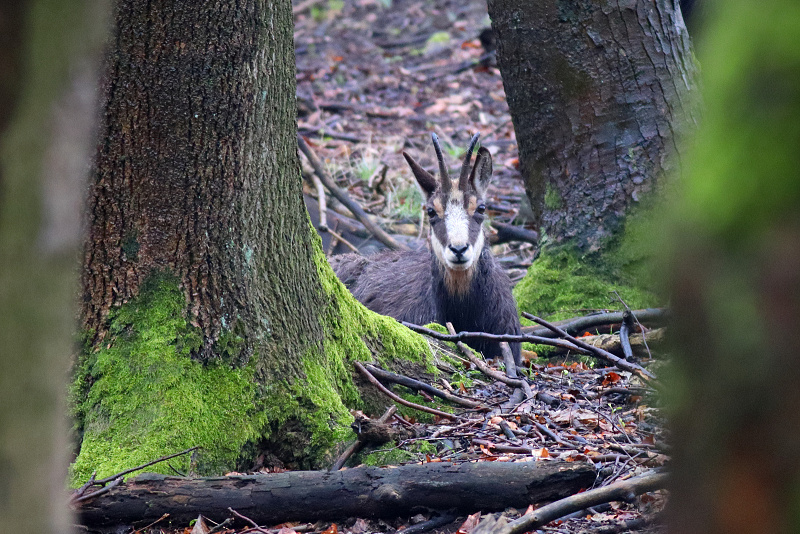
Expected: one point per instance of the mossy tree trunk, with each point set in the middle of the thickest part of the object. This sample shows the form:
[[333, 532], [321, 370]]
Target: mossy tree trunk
[[211, 315], [735, 266], [598, 93], [48, 71]]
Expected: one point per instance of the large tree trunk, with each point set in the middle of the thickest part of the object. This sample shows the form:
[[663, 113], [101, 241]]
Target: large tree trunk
[[735, 264], [211, 314], [598, 92], [48, 53]]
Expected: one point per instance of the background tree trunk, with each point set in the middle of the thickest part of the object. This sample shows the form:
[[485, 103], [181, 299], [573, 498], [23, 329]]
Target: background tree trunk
[[211, 314], [734, 260], [48, 75], [598, 93]]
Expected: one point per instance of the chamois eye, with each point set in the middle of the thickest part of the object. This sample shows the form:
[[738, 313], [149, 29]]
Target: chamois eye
[[481, 208], [431, 213]]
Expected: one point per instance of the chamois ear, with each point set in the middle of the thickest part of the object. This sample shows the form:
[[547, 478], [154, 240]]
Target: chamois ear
[[425, 179], [482, 172]]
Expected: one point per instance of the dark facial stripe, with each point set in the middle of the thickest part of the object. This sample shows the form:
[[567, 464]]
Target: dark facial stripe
[[440, 231], [475, 226]]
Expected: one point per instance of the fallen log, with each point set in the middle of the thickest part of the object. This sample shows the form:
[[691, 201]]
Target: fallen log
[[361, 492]]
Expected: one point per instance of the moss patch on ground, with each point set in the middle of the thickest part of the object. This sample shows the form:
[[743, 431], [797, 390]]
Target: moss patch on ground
[[395, 456]]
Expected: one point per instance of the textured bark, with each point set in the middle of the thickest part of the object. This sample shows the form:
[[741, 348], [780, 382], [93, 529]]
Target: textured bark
[[197, 173], [598, 93], [361, 492], [48, 52]]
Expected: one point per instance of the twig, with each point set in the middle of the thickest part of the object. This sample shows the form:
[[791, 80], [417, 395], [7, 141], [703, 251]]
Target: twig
[[322, 201], [345, 199], [511, 372], [89, 483], [114, 483], [114, 480], [342, 240], [481, 365], [619, 491], [552, 435], [508, 360], [600, 353], [618, 390], [148, 464], [163, 517], [508, 232], [613, 344], [310, 130], [422, 386], [400, 400], [513, 449], [580, 324], [224, 524], [461, 336], [358, 443], [425, 526], [245, 518], [624, 334]]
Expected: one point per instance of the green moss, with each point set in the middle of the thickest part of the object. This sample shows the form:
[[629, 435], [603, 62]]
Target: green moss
[[560, 285], [313, 414], [320, 404], [552, 199], [353, 330], [410, 453], [142, 395]]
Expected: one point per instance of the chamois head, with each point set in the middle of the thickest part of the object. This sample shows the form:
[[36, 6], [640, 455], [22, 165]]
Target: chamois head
[[455, 207]]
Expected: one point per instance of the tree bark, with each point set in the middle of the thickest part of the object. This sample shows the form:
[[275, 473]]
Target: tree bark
[[361, 492], [211, 315], [48, 72], [598, 93], [194, 173]]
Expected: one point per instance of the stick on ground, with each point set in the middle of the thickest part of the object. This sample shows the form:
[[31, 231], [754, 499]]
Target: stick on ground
[[400, 400], [625, 490]]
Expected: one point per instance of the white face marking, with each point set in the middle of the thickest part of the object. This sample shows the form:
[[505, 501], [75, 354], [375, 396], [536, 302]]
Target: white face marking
[[457, 222]]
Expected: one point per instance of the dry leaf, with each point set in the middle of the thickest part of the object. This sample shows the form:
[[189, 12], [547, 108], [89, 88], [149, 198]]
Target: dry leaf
[[200, 526], [470, 524]]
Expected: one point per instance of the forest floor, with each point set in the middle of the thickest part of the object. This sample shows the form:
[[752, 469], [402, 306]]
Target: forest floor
[[374, 78]]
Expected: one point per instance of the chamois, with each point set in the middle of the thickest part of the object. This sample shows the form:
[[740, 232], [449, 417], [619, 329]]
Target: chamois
[[458, 279]]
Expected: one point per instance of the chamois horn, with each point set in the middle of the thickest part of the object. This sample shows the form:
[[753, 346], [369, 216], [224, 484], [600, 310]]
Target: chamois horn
[[465, 167], [445, 176]]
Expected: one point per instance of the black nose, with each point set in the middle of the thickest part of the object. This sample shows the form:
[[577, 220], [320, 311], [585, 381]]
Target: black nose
[[459, 251]]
